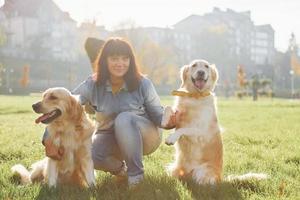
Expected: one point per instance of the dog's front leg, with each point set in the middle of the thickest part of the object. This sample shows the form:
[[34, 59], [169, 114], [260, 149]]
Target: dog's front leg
[[168, 113], [52, 173], [172, 138], [88, 171], [183, 131]]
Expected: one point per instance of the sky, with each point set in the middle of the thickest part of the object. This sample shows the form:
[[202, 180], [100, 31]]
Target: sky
[[283, 15]]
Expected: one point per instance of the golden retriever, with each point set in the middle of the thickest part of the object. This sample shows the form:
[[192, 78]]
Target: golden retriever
[[69, 128], [197, 138]]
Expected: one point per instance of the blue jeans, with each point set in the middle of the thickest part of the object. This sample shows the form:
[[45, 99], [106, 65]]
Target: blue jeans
[[133, 137]]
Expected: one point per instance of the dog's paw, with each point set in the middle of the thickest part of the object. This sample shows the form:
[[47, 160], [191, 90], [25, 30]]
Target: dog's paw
[[168, 112], [171, 139], [92, 184]]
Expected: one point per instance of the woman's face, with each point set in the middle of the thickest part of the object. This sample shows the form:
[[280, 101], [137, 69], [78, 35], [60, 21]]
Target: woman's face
[[118, 65]]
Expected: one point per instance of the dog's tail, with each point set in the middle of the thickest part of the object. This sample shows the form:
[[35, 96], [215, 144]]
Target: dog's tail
[[247, 177], [22, 172], [37, 172]]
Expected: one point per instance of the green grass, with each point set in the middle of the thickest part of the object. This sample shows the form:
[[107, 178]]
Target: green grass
[[259, 136]]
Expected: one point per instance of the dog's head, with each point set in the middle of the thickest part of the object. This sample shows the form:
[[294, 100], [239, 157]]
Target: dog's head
[[57, 104], [199, 76]]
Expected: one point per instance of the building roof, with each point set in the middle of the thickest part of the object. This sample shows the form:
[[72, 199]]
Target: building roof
[[21, 7], [188, 19], [218, 16], [265, 28], [29, 8]]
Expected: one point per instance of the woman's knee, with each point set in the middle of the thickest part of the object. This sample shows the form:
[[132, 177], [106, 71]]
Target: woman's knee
[[100, 162], [124, 119], [107, 164], [99, 155]]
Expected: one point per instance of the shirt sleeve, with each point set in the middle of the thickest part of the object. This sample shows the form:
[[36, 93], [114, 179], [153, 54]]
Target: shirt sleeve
[[84, 90], [152, 102]]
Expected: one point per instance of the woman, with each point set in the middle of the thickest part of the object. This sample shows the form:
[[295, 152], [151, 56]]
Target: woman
[[128, 113]]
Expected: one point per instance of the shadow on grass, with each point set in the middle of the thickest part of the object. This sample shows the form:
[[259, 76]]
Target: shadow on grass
[[151, 188], [63, 192], [224, 190], [108, 189]]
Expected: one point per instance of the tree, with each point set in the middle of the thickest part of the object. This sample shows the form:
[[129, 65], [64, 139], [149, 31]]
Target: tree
[[38, 46], [157, 63], [213, 44], [293, 49], [241, 76], [241, 81], [24, 81]]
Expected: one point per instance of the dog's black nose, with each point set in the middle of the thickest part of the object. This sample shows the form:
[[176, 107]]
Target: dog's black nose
[[200, 73], [35, 106]]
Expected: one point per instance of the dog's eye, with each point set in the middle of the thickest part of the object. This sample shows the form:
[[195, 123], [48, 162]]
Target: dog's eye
[[206, 66], [51, 97], [194, 65]]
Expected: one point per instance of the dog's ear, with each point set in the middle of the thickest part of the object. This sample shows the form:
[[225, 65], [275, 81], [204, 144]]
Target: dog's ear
[[214, 72], [183, 74]]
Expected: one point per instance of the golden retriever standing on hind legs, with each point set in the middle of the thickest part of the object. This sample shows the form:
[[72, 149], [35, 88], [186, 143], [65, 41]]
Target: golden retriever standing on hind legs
[[70, 129], [197, 138]]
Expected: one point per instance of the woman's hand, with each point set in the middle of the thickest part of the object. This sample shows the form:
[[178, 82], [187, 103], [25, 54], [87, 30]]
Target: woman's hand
[[53, 151], [89, 109], [172, 121]]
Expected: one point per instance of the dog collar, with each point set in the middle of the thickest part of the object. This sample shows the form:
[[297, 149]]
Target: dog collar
[[196, 95]]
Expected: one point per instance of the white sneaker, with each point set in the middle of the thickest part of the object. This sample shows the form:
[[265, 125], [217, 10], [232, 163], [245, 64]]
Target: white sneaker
[[134, 181]]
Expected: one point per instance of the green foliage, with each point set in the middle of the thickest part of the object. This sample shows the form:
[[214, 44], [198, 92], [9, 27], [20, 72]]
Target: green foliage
[[210, 39], [265, 81], [158, 63], [259, 137], [260, 86]]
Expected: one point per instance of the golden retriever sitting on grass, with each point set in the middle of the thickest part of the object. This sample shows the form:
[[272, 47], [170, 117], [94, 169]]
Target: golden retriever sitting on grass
[[197, 138], [70, 129]]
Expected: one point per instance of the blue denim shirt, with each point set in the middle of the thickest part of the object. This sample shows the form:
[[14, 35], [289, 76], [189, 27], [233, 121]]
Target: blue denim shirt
[[144, 101]]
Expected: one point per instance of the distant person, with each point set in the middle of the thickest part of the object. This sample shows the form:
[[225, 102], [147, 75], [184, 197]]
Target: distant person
[[128, 113], [255, 85]]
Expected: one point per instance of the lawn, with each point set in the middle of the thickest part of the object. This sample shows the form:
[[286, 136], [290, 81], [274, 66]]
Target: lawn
[[260, 136]]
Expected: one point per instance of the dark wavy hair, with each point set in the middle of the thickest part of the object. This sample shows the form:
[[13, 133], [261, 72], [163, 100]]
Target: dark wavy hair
[[117, 47]]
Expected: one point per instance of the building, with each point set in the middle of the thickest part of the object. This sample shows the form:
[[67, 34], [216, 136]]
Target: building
[[90, 29], [262, 45], [245, 42], [40, 35], [180, 42], [39, 31], [45, 37], [176, 42]]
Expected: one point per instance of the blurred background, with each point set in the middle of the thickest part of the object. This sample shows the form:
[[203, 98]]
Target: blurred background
[[253, 43]]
